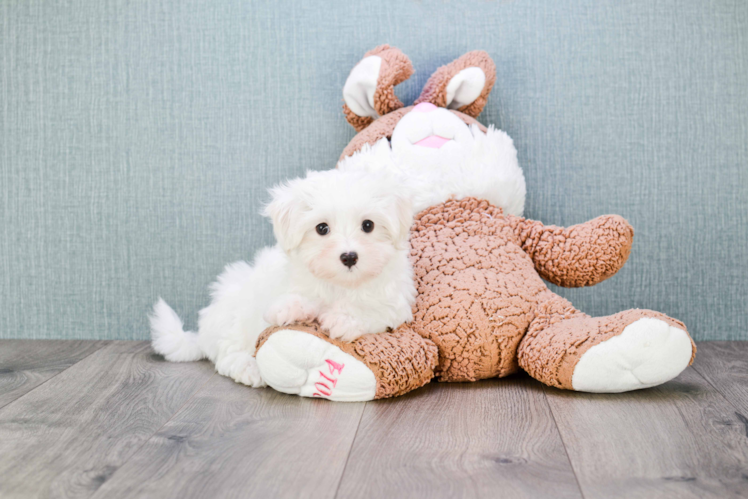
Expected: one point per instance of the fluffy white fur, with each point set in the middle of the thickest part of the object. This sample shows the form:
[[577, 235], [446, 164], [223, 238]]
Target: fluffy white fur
[[303, 277], [471, 163]]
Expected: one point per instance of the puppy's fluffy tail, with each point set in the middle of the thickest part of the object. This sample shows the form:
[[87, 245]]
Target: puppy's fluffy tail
[[168, 337]]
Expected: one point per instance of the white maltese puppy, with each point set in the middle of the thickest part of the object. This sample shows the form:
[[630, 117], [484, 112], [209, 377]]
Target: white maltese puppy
[[342, 258]]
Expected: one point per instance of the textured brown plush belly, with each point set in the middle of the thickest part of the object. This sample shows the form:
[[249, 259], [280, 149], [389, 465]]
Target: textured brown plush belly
[[477, 288]]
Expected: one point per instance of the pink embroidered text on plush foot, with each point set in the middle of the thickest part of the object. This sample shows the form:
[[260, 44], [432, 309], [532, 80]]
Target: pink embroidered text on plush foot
[[296, 362], [323, 390]]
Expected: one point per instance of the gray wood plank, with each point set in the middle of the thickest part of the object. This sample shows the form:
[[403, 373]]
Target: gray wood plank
[[725, 366], [495, 438], [25, 364], [233, 441], [681, 439], [66, 437]]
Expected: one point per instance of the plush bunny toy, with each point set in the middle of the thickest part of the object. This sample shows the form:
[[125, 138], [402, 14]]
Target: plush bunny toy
[[483, 309]]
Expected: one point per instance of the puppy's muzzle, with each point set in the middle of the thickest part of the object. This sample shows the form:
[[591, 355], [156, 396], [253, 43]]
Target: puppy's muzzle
[[349, 259]]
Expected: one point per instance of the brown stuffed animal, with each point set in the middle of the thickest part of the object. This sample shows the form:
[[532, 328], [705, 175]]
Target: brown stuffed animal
[[482, 309]]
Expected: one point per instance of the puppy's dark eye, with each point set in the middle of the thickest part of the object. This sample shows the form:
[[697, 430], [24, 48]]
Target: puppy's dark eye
[[367, 226], [322, 229]]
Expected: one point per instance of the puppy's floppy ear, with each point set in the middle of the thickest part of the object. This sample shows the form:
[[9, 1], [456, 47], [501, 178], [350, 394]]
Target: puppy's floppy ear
[[369, 91], [286, 210], [463, 84], [401, 218]]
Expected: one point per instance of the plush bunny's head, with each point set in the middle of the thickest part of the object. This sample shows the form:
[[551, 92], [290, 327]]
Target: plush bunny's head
[[461, 88], [437, 141]]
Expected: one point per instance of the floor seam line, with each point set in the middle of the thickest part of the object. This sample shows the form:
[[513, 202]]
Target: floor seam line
[[145, 441], [561, 437], [348, 456], [722, 395], [105, 344]]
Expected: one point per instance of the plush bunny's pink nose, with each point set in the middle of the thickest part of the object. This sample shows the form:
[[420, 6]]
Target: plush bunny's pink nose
[[424, 107], [433, 141]]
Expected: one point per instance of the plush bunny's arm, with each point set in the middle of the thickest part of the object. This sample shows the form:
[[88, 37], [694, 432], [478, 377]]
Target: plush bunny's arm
[[580, 255]]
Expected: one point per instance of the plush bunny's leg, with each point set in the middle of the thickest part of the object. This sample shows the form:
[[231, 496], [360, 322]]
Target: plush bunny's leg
[[296, 361], [301, 359], [649, 350], [630, 350]]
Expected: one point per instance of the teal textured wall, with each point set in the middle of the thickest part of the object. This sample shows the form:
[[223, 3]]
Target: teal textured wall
[[137, 140]]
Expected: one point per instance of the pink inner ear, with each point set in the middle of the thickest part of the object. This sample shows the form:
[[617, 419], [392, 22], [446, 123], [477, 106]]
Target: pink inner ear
[[432, 141]]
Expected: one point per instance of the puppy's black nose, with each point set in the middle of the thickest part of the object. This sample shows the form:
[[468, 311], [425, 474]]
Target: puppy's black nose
[[349, 259]]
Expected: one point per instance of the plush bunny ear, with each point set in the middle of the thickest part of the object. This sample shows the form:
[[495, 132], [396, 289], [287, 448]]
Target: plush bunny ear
[[369, 91], [463, 84]]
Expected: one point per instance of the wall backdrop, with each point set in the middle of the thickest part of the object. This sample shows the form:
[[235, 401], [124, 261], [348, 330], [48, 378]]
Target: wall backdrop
[[138, 139]]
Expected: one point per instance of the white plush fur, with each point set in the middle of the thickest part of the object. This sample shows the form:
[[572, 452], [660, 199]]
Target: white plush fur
[[465, 87], [302, 277], [358, 92], [647, 353], [471, 163], [298, 363]]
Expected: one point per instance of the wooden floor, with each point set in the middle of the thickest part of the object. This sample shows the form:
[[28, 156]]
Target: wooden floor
[[112, 419]]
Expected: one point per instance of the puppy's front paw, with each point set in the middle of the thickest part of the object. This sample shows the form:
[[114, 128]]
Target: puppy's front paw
[[341, 326], [290, 309]]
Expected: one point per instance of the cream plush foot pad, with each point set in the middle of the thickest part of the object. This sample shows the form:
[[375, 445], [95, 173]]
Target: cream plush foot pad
[[647, 353], [295, 362]]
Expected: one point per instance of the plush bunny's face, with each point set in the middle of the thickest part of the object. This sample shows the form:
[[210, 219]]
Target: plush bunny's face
[[452, 98], [436, 144], [431, 136]]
